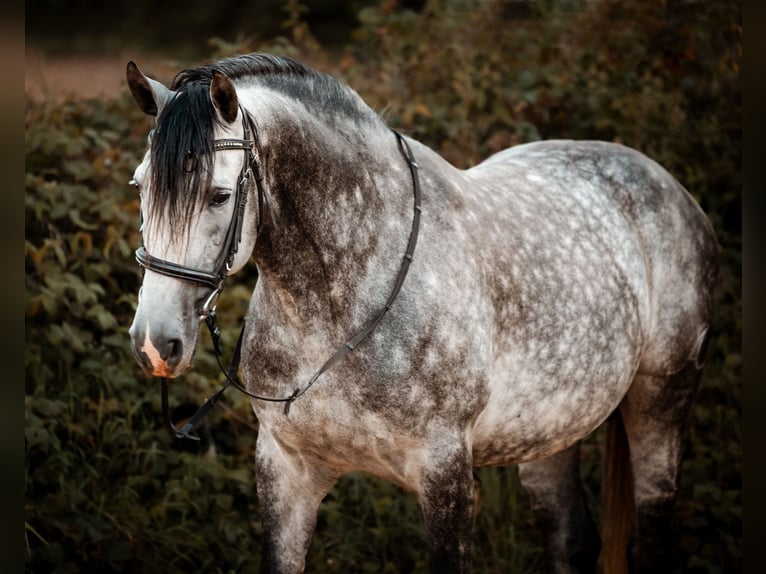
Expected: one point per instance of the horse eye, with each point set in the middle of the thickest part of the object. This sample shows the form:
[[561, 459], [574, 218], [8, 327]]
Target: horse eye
[[220, 198]]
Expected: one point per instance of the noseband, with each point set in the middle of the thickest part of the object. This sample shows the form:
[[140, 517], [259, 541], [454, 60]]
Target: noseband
[[251, 167]]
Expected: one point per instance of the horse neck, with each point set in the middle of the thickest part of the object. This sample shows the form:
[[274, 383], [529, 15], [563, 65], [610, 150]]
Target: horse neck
[[342, 195]]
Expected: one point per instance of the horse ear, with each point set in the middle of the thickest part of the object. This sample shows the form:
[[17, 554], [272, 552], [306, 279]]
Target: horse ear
[[224, 97], [150, 95]]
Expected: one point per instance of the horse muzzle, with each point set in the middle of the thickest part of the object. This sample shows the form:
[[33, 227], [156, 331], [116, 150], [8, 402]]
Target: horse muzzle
[[159, 354]]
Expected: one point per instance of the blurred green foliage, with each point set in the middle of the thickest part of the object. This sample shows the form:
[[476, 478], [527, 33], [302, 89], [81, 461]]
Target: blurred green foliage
[[106, 491]]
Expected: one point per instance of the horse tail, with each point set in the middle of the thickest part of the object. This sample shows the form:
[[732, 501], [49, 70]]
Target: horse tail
[[617, 502]]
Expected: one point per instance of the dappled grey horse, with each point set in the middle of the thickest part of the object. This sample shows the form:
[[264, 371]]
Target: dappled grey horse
[[414, 320]]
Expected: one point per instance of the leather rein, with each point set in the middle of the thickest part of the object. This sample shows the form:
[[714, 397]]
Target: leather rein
[[252, 168]]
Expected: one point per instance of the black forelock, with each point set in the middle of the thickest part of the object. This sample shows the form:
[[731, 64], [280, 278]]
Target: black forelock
[[182, 154]]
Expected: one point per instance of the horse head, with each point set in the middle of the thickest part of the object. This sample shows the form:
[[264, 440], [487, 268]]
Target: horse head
[[197, 223]]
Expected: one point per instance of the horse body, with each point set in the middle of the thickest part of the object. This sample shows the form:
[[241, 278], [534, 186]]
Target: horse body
[[552, 285], [576, 313]]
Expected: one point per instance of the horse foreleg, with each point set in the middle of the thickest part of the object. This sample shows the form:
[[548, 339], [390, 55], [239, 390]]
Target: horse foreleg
[[654, 412], [446, 496], [570, 537], [289, 495]]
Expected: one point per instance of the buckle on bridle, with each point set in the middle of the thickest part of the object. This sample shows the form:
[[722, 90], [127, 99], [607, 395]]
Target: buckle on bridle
[[207, 313], [245, 178], [208, 307]]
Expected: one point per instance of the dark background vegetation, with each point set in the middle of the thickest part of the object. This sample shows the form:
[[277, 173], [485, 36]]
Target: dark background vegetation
[[106, 491]]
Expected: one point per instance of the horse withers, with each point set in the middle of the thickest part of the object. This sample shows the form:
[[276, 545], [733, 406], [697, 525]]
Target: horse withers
[[414, 320]]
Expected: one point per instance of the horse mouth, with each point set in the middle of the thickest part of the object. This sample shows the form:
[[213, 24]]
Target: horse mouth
[[166, 372]]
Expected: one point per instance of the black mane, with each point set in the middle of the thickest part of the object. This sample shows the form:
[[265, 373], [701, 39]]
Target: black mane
[[182, 144], [286, 75]]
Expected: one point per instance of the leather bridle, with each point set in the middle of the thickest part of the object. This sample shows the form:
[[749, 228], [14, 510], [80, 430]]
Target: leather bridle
[[251, 167], [215, 279]]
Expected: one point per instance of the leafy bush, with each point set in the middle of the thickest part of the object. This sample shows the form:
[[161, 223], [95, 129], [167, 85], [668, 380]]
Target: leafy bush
[[107, 491], [104, 489]]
